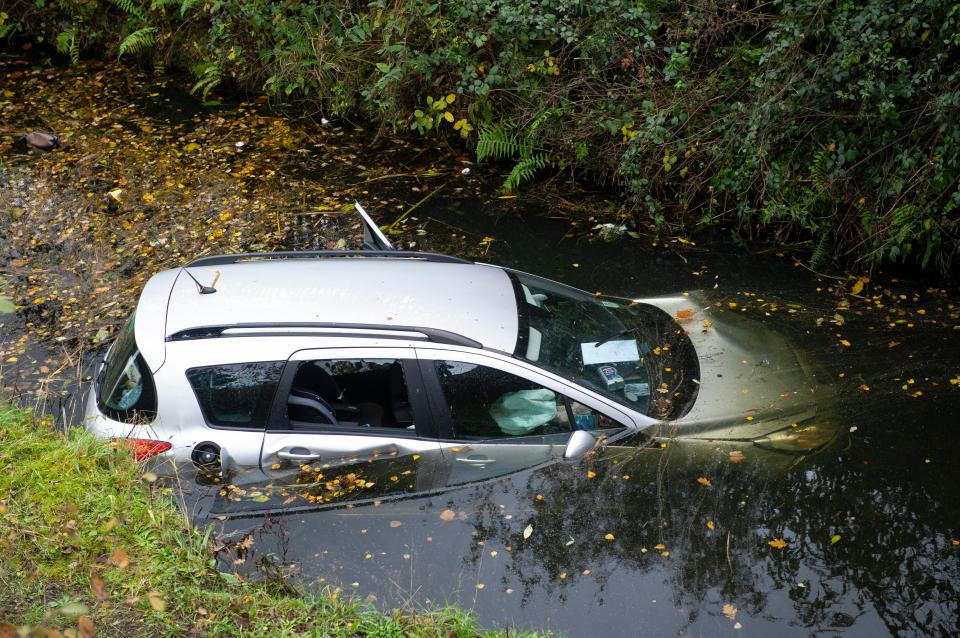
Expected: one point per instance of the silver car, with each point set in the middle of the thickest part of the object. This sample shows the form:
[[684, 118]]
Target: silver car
[[274, 362]]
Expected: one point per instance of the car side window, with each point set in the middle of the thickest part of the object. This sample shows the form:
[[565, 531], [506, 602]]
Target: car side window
[[362, 393], [236, 395], [486, 403]]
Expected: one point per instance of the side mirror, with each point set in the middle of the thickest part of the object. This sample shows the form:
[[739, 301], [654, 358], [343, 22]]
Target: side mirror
[[579, 444]]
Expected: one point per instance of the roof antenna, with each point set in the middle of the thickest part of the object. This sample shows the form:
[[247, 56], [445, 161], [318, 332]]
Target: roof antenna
[[205, 290]]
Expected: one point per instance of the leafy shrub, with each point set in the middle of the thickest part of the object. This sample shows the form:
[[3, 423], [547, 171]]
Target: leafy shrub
[[836, 123]]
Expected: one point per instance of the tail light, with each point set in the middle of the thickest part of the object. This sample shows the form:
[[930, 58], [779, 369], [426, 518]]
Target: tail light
[[144, 448]]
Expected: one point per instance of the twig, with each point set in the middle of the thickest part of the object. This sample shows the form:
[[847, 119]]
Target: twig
[[414, 207]]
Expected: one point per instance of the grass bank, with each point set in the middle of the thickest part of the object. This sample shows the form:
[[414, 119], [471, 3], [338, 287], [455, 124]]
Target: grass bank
[[88, 546]]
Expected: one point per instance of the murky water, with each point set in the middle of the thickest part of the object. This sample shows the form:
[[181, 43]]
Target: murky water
[[633, 542]]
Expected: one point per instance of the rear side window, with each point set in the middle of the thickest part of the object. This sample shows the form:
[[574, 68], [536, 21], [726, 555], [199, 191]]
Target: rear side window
[[125, 389], [236, 395]]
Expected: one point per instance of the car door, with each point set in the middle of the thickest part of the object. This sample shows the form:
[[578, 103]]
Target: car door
[[494, 417], [350, 423]]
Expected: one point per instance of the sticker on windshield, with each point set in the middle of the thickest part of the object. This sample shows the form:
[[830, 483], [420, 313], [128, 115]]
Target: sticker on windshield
[[610, 352]]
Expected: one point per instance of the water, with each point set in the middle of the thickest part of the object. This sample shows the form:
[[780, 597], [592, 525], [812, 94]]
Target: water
[[869, 526]]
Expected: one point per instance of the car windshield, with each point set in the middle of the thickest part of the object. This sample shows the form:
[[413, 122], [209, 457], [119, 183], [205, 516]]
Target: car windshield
[[634, 353]]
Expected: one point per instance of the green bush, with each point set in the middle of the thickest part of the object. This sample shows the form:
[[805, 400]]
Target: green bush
[[836, 124]]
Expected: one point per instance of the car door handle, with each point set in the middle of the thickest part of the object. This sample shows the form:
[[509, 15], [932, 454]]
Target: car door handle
[[475, 460], [298, 454]]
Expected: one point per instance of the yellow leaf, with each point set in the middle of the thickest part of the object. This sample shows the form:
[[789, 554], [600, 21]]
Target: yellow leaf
[[659, 546], [777, 543], [737, 456], [157, 602], [608, 536], [703, 480], [710, 525], [845, 342], [858, 285], [591, 474], [192, 146], [480, 585], [448, 116], [451, 97], [447, 515], [729, 611]]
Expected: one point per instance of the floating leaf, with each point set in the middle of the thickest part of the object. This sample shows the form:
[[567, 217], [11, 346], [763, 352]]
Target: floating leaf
[[395, 523], [528, 531], [447, 515], [736, 456], [710, 525], [659, 546], [591, 474], [777, 543], [729, 611], [608, 536], [703, 480], [835, 539]]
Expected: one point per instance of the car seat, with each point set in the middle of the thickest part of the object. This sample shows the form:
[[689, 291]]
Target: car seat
[[311, 378]]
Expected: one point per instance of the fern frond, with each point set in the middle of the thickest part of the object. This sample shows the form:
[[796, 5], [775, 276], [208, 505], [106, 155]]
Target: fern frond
[[138, 41], [131, 8], [497, 142], [820, 251], [209, 77], [67, 42], [525, 170]]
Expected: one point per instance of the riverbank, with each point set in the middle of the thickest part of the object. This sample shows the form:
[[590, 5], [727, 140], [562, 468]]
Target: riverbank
[[92, 545], [767, 119]]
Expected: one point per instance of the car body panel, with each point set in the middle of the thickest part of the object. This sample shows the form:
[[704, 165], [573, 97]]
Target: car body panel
[[753, 385]]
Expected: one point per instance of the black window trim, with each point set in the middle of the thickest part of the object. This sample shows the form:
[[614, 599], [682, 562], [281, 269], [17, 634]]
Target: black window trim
[[278, 422]]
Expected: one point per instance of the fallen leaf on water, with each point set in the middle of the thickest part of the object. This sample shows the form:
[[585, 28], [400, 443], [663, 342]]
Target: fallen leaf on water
[[591, 474], [119, 558], [858, 285], [729, 611], [685, 314], [480, 585], [395, 523], [737, 625], [710, 525], [659, 546], [570, 541], [703, 480], [835, 539], [777, 543], [98, 587], [608, 536], [737, 456], [528, 531], [845, 342]]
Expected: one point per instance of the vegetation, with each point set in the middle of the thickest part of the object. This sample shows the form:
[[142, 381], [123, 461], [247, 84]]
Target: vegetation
[[91, 546], [836, 124]]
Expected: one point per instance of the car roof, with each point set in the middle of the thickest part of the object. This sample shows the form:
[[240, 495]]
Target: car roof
[[476, 301]]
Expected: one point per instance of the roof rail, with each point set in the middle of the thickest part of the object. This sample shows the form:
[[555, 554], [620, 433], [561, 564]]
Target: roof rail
[[220, 260], [435, 335]]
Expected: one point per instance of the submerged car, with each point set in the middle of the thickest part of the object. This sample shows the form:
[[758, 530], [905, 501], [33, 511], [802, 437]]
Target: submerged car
[[278, 361]]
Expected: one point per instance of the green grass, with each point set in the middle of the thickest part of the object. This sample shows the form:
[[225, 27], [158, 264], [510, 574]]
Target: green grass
[[86, 542]]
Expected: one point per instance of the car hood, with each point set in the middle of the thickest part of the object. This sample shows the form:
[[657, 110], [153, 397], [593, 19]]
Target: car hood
[[753, 382]]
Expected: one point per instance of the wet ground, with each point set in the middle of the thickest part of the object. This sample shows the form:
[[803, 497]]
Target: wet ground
[[861, 539]]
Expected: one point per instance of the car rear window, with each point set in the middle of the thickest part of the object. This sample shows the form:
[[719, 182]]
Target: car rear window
[[125, 389], [236, 395]]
